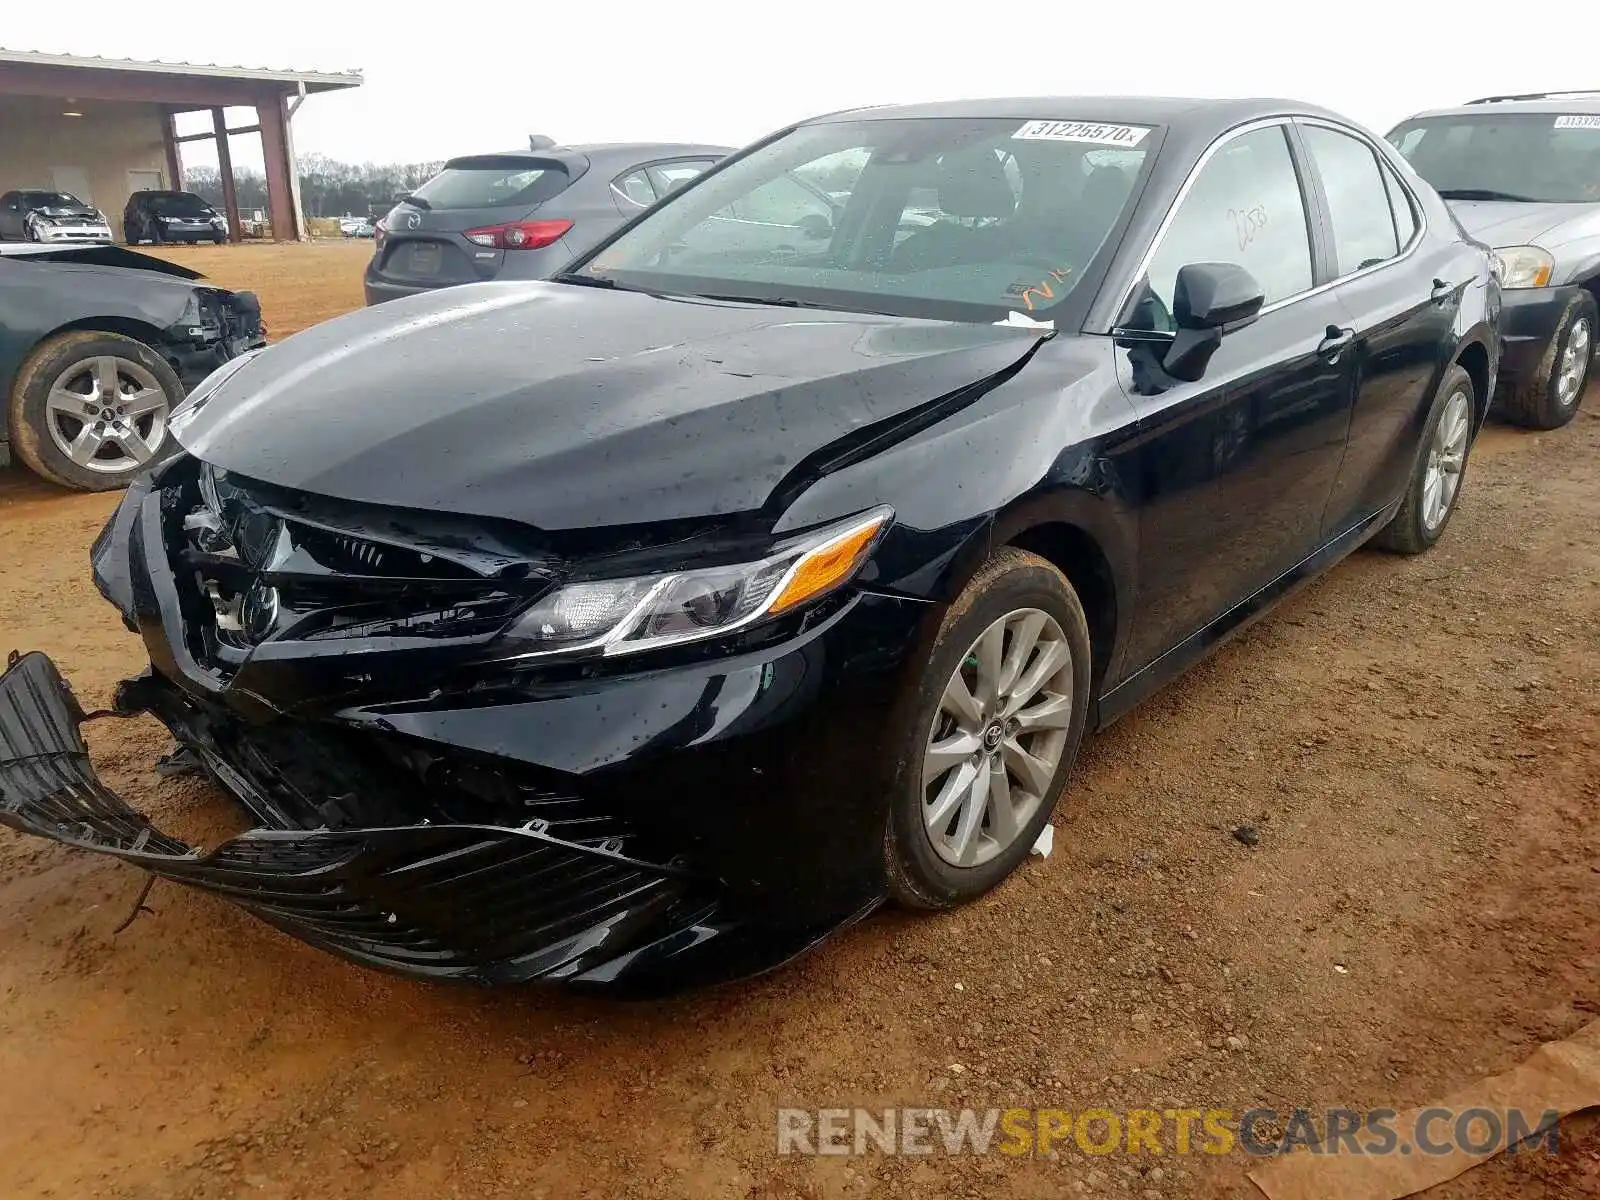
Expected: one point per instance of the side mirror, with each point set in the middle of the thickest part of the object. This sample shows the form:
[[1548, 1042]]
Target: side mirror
[[816, 226], [1208, 301]]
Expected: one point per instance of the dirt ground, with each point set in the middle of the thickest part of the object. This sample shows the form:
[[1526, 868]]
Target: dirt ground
[[1417, 741]]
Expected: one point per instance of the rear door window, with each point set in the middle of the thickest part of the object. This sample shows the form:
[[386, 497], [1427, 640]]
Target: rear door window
[[670, 176], [1405, 217], [494, 181], [1358, 201], [636, 188]]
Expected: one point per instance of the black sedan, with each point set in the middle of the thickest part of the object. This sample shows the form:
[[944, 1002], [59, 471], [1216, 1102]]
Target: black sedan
[[160, 216], [642, 626], [97, 345]]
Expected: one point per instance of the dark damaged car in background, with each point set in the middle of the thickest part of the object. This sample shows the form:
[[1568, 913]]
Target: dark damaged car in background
[[97, 345], [640, 627]]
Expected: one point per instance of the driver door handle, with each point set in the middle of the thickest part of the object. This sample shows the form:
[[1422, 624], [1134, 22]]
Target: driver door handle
[[1333, 343]]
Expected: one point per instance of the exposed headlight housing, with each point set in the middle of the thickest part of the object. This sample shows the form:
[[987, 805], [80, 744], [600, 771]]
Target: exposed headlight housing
[[1523, 266], [626, 616]]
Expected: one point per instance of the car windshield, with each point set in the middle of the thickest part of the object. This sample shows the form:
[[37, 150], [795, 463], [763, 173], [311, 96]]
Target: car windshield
[[960, 219], [1543, 157], [179, 204], [51, 200], [492, 181]]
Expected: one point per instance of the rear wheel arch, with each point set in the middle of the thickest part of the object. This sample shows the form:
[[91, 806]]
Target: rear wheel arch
[[1473, 358]]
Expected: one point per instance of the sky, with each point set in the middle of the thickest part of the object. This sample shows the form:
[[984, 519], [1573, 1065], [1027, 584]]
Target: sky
[[444, 80]]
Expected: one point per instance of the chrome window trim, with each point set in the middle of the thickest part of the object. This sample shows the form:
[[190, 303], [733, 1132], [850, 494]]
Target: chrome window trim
[[1143, 267]]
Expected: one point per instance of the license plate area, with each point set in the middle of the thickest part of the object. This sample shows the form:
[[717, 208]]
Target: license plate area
[[424, 259]]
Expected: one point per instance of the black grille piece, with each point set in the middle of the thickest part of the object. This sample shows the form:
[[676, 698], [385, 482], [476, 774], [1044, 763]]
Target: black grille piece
[[226, 538], [490, 903], [296, 774]]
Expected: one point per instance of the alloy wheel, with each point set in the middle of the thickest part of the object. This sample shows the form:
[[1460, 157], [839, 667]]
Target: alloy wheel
[[997, 738], [1447, 457], [107, 414], [1574, 362]]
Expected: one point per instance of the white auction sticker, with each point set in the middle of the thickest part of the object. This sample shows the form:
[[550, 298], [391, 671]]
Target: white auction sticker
[[1572, 121], [1083, 131]]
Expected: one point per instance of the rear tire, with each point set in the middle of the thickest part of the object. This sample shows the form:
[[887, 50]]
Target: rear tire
[[987, 723], [1551, 399], [1441, 469], [41, 401]]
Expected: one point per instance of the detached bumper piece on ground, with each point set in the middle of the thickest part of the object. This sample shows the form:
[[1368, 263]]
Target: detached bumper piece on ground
[[473, 902]]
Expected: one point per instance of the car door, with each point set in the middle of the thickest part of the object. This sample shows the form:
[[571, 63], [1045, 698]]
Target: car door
[[1400, 294], [1233, 471], [10, 216]]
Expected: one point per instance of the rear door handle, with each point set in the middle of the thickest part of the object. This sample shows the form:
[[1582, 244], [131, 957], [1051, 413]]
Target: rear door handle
[[1442, 291], [1334, 340]]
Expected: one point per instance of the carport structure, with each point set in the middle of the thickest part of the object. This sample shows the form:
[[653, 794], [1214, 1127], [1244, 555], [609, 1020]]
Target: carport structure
[[106, 127]]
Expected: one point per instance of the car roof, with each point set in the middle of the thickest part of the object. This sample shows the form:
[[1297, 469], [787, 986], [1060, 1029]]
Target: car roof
[[608, 153], [1551, 104], [1187, 114]]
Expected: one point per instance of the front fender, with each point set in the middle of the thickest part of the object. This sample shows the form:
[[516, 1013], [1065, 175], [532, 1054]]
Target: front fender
[[1040, 449]]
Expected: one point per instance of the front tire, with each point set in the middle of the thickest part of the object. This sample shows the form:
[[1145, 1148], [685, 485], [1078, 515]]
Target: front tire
[[1551, 399], [1441, 468], [987, 732], [89, 410]]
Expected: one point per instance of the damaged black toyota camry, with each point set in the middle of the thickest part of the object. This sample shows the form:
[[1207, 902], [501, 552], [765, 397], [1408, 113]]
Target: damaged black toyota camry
[[640, 627]]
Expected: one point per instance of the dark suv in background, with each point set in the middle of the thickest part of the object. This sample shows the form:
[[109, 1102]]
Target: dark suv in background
[[523, 214], [1522, 173], [172, 217]]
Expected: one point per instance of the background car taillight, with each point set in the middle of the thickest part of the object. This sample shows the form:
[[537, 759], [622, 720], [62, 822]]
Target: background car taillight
[[519, 235]]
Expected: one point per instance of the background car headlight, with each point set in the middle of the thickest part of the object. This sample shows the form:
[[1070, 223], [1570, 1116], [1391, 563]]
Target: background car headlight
[[1523, 266], [623, 616]]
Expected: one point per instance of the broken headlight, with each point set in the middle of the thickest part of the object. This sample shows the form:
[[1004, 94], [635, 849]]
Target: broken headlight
[[624, 616]]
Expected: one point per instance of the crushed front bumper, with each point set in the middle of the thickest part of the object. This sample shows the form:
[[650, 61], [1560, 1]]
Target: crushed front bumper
[[484, 903], [74, 234]]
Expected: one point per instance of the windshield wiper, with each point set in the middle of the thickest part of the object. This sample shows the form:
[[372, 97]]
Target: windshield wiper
[[593, 281], [775, 301], [1483, 194]]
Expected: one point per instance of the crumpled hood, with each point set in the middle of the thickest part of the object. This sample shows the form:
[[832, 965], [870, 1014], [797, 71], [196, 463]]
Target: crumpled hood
[[68, 210], [1517, 224], [563, 406]]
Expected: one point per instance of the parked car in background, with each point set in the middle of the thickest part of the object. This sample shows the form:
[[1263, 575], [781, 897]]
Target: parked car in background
[[522, 214], [43, 215], [356, 227], [97, 346], [644, 625], [1523, 174], [172, 217]]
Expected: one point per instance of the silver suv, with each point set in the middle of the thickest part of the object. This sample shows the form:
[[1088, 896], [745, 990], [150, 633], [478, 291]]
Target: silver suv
[[1522, 173]]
